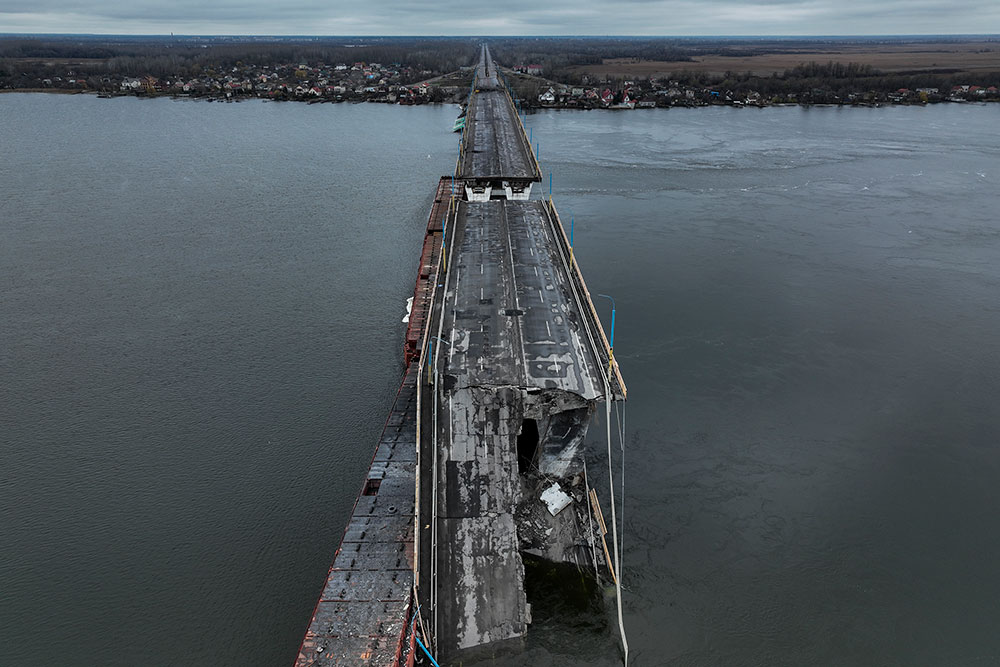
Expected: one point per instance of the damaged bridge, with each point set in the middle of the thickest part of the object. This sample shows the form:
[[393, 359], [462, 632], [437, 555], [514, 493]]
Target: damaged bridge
[[506, 364], [514, 374], [516, 362]]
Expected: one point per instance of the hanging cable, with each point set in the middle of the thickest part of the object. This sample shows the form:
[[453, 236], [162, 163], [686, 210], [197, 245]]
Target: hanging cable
[[614, 522], [622, 441], [620, 420]]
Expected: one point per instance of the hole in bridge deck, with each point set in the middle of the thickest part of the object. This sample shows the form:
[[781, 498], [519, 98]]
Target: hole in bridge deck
[[564, 596], [527, 445]]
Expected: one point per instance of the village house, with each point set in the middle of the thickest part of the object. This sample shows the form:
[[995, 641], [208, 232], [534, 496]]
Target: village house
[[531, 70]]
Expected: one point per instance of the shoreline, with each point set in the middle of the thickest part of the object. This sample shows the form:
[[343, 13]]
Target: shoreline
[[867, 105], [531, 109], [223, 98]]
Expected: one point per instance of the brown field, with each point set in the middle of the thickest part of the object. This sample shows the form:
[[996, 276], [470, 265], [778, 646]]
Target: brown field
[[967, 57]]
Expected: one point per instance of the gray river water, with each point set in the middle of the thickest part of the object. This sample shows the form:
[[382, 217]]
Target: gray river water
[[200, 339]]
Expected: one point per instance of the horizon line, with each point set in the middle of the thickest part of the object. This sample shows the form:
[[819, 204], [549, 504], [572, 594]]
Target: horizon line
[[476, 36]]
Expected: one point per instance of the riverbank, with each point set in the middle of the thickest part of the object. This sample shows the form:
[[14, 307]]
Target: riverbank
[[459, 98], [44, 90], [820, 87], [739, 104], [452, 98]]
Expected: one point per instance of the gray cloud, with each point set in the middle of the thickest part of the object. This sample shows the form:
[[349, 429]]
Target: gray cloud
[[515, 17]]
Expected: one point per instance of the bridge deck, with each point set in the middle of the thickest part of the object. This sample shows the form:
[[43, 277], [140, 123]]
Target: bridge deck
[[512, 316], [512, 332], [494, 146], [362, 612]]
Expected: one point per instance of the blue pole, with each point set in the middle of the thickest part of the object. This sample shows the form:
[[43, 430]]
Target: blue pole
[[433, 661], [550, 185], [611, 343], [571, 231], [538, 150], [531, 133]]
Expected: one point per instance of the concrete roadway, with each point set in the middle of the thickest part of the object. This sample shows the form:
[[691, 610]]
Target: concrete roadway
[[514, 348], [494, 146]]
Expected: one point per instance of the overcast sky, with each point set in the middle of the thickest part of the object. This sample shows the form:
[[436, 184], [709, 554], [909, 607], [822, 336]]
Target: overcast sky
[[503, 17]]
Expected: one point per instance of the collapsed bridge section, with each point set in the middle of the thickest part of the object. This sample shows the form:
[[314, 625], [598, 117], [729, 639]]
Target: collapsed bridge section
[[518, 363]]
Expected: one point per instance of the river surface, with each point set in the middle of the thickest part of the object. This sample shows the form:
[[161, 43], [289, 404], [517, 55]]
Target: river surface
[[200, 339]]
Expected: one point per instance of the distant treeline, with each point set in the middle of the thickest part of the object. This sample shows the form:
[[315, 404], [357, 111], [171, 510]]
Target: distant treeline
[[191, 56], [835, 77]]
